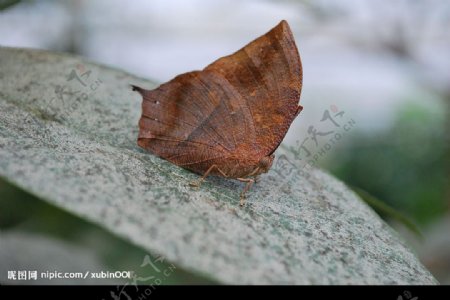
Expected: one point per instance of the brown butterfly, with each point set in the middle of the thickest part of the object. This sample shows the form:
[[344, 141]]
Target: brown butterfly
[[229, 118]]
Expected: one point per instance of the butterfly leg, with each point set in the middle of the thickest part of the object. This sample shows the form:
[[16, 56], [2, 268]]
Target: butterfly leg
[[249, 184], [197, 183]]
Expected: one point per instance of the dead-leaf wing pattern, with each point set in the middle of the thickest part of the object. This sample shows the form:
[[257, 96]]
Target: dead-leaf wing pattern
[[192, 119], [268, 75]]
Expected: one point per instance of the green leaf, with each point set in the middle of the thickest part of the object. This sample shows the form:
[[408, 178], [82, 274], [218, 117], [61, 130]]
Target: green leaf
[[4, 4], [382, 207], [68, 135]]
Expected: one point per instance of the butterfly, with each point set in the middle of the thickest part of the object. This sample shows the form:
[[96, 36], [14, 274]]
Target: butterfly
[[229, 118]]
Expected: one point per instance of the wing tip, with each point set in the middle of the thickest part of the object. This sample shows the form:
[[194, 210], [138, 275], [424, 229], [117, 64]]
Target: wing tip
[[284, 26], [283, 23]]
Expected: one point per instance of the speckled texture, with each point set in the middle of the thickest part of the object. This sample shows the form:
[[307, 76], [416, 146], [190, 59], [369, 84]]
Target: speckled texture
[[301, 228], [32, 252]]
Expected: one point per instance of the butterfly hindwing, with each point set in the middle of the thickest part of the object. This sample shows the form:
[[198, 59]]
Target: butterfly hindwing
[[183, 120]]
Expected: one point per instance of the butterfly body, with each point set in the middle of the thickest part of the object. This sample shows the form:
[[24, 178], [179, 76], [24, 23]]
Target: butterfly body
[[229, 118]]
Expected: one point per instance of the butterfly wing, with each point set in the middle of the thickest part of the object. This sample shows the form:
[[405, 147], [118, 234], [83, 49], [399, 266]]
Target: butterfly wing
[[242, 102], [267, 73], [191, 120]]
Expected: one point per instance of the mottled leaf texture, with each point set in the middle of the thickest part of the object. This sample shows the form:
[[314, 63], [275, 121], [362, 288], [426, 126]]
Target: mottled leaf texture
[[301, 226], [232, 115]]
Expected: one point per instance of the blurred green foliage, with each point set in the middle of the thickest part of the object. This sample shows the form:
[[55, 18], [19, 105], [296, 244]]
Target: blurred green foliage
[[21, 211], [4, 4], [405, 165]]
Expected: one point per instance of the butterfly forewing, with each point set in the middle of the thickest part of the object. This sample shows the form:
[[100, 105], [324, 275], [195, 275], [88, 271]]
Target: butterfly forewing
[[268, 75]]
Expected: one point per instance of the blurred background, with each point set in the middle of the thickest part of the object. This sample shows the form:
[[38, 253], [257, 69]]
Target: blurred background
[[376, 97]]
